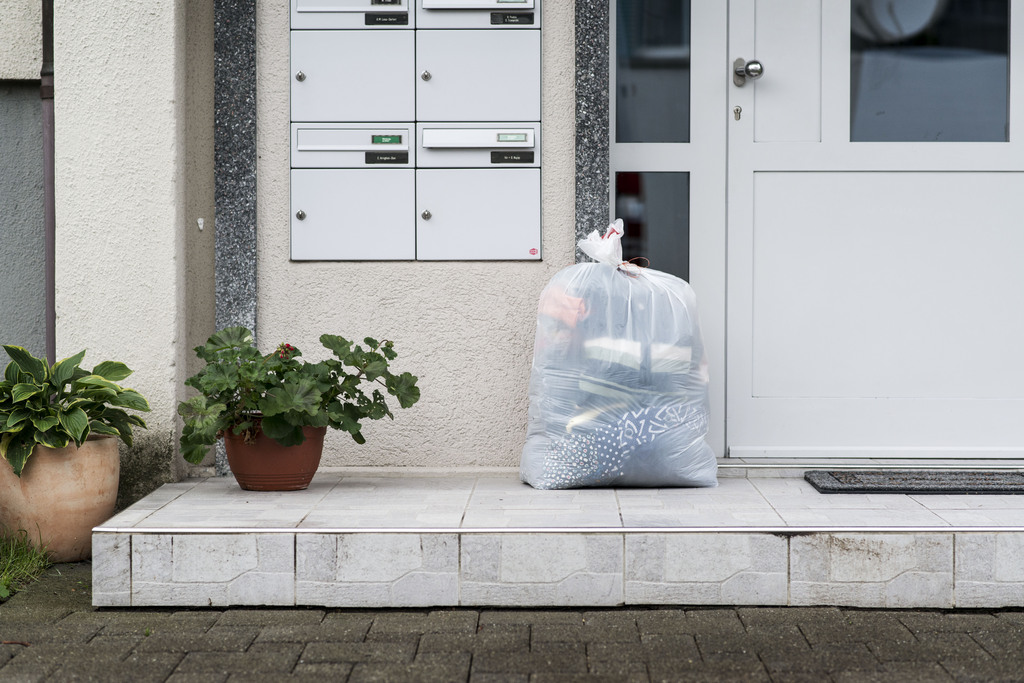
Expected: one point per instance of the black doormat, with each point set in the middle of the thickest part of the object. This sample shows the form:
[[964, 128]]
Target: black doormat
[[915, 481]]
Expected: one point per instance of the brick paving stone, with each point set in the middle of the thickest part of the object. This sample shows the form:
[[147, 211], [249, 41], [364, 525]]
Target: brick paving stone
[[215, 640], [52, 633], [334, 671], [714, 620], [1005, 645], [586, 678], [617, 667], [923, 672], [451, 667], [982, 671], [498, 678], [396, 653], [198, 678], [615, 650], [310, 633], [850, 657], [663, 621], [137, 668], [533, 617], [556, 632], [258, 659], [613, 617], [965, 622], [1014, 615], [929, 647], [263, 617], [669, 645], [528, 663], [480, 642], [556, 649]]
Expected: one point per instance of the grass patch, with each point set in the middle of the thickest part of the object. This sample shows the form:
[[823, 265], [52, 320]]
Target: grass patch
[[21, 563]]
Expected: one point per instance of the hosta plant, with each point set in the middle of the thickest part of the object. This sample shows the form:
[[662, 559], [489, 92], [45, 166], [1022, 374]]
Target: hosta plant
[[244, 391], [57, 405]]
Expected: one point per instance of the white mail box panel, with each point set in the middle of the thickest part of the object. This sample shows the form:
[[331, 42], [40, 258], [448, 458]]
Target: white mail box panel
[[514, 14], [317, 145], [478, 214], [352, 14], [353, 215], [353, 76], [478, 75], [480, 145]]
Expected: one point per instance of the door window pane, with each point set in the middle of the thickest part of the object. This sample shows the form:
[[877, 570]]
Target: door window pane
[[655, 210], [652, 71], [929, 70]]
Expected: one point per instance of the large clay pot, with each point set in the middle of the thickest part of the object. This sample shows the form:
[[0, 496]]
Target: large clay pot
[[61, 495], [265, 465]]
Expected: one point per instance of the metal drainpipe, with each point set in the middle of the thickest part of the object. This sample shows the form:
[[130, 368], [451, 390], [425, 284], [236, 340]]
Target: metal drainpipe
[[49, 210]]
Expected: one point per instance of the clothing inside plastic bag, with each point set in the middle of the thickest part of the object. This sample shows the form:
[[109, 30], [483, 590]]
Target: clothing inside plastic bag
[[619, 384]]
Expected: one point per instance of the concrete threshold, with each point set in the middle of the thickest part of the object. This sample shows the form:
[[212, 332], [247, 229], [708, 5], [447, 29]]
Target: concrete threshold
[[409, 537]]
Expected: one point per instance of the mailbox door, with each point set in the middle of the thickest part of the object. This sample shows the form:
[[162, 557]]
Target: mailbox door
[[478, 214], [501, 14], [353, 214], [478, 75], [351, 14], [353, 76], [352, 145]]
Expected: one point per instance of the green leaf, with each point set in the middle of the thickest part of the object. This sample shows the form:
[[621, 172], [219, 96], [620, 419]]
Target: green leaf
[[44, 423], [16, 448], [404, 388], [75, 421], [52, 439], [18, 416], [63, 371], [374, 366], [228, 338], [12, 373], [129, 398], [28, 363], [97, 381], [98, 427], [112, 370], [278, 429], [22, 392], [339, 346], [371, 342], [218, 378], [299, 395]]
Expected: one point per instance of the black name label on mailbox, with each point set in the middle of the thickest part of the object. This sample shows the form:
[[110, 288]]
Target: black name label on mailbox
[[389, 18], [385, 2], [511, 17], [387, 157], [511, 157]]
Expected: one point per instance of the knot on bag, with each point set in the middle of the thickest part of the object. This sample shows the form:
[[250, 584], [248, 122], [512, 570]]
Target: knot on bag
[[607, 249]]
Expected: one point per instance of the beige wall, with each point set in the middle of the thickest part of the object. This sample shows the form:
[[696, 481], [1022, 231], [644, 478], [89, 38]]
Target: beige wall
[[466, 329], [21, 39], [131, 179]]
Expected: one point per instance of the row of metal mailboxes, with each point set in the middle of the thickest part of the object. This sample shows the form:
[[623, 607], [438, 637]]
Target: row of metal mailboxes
[[399, 14], [422, 214], [415, 76], [424, 145]]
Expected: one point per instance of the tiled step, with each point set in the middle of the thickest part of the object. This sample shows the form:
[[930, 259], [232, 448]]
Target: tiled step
[[402, 538]]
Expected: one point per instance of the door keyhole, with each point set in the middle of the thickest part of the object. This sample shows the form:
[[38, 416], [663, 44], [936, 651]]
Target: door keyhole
[[736, 112]]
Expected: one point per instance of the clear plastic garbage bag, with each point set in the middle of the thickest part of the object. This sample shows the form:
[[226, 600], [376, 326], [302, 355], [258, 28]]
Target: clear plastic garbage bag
[[619, 384]]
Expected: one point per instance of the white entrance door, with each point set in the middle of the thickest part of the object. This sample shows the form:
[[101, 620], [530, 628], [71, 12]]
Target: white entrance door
[[875, 286]]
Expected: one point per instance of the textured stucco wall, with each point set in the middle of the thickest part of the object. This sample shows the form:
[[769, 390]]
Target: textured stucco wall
[[466, 329], [22, 241], [199, 244], [21, 39], [124, 209]]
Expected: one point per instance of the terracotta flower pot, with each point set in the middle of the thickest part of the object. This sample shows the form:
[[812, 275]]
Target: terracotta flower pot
[[265, 465], [61, 495]]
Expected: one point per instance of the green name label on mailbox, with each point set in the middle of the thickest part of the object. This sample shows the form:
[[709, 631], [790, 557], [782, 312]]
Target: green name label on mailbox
[[387, 139]]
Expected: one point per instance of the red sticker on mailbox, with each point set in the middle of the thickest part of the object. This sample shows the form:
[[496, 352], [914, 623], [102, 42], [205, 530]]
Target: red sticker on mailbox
[[533, 252]]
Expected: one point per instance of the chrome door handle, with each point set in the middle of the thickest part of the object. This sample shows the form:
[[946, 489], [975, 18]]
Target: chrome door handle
[[742, 70]]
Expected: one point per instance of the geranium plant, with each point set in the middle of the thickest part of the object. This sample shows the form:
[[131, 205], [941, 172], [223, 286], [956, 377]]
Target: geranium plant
[[245, 391], [56, 405]]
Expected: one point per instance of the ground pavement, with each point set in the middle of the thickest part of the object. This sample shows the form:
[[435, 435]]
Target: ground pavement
[[52, 633]]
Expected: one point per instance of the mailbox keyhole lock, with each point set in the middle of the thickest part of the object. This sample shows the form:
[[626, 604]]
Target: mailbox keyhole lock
[[426, 75], [300, 214], [427, 215], [300, 76]]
